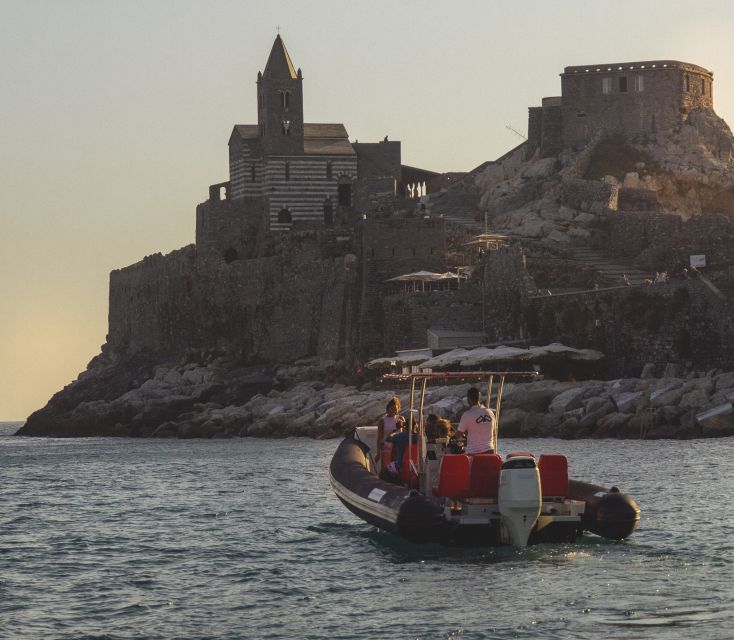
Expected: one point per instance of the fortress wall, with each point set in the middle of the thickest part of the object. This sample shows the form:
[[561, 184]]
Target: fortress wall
[[227, 226], [496, 310], [152, 303], [581, 194], [401, 245], [670, 239], [679, 323], [411, 314], [270, 309], [633, 98]]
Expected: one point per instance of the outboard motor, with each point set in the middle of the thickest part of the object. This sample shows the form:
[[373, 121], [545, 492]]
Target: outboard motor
[[519, 498]]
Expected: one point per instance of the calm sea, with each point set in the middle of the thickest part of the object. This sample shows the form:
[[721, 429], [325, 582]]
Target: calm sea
[[122, 538]]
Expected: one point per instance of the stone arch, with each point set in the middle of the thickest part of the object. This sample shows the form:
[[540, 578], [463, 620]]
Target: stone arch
[[284, 216]]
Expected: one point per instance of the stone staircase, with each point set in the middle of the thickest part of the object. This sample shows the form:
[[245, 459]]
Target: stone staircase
[[608, 267]]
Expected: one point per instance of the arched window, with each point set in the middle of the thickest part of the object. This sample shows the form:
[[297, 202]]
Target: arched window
[[230, 255], [284, 216], [328, 170], [328, 213], [345, 191], [287, 100], [285, 127], [287, 171]]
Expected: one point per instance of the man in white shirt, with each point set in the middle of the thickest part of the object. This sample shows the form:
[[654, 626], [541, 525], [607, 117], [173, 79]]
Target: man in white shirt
[[477, 424]]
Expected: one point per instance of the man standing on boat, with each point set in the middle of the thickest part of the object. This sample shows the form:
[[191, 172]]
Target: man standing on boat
[[477, 424]]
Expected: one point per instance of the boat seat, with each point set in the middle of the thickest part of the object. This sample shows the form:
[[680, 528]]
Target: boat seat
[[453, 476], [484, 479], [553, 468], [518, 454]]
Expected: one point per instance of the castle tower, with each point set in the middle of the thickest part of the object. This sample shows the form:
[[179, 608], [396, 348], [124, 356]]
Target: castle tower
[[280, 104]]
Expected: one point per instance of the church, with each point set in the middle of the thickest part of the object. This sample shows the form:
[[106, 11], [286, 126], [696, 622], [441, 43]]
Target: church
[[307, 173]]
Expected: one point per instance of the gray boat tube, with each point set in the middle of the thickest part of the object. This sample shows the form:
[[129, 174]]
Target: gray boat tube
[[394, 508], [608, 513]]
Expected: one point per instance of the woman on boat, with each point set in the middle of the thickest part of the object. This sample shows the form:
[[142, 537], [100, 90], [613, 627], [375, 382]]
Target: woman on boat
[[390, 422]]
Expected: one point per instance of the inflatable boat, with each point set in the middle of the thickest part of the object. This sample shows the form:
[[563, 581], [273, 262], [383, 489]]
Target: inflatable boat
[[445, 496]]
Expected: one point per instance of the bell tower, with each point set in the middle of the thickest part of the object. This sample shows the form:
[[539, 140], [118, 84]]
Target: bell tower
[[280, 103]]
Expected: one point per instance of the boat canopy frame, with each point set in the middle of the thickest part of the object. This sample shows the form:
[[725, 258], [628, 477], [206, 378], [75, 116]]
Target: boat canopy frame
[[422, 378]]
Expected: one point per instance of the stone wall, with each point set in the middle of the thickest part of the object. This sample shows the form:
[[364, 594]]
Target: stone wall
[[633, 98], [677, 323], [230, 229], [581, 194], [668, 240], [297, 303]]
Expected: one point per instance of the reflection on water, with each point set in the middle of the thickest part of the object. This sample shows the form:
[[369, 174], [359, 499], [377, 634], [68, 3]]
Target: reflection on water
[[244, 539]]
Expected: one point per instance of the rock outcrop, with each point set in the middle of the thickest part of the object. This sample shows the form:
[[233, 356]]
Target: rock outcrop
[[217, 400]]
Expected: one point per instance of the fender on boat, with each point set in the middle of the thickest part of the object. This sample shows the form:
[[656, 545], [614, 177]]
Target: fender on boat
[[608, 512], [394, 508]]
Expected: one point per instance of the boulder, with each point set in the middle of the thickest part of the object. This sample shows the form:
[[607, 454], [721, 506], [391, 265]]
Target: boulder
[[569, 399], [610, 425]]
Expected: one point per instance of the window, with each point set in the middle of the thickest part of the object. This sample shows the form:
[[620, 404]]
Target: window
[[284, 216], [688, 83], [230, 255], [261, 100], [252, 173], [703, 87], [328, 213], [606, 85], [639, 84], [287, 100], [623, 84], [287, 171], [285, 127], [345, 191], [328, 170]]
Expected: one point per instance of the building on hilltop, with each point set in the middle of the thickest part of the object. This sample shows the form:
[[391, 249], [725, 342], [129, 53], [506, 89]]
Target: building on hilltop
[[288, 174], [634, 98]]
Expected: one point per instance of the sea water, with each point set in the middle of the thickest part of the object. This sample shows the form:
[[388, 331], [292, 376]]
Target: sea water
[[124, 538]]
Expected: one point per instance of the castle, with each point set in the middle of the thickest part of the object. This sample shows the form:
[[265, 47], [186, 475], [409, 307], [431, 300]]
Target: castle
[[634, 98]]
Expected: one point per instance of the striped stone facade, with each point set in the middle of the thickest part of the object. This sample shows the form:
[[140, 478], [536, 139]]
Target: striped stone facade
[[302, 171]]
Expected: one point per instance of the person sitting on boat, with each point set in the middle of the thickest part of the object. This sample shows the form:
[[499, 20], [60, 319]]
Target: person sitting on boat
[[391, 421], [477, 424], [437, 428], [400, 440]]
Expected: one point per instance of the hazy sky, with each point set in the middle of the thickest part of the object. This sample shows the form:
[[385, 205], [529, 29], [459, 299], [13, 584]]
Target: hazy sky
[[116, 116]]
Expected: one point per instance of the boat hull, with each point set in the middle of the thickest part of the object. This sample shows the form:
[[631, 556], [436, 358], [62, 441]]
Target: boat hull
[[420, 519]]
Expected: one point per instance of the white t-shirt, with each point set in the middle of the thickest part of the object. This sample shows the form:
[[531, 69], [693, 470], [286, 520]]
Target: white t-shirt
[[478, 424]]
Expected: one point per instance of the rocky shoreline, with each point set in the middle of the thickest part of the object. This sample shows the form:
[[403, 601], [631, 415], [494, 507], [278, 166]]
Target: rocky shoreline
[[215, 400]]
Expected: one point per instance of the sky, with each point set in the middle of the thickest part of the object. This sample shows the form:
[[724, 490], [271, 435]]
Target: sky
[[116, 116]]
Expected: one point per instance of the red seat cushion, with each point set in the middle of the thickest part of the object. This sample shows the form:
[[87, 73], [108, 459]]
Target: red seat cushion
[[453, 477], [553, 468], [485, 475]]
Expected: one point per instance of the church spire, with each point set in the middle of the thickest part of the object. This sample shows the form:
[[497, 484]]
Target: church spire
[[279, 63], [280, 103]]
